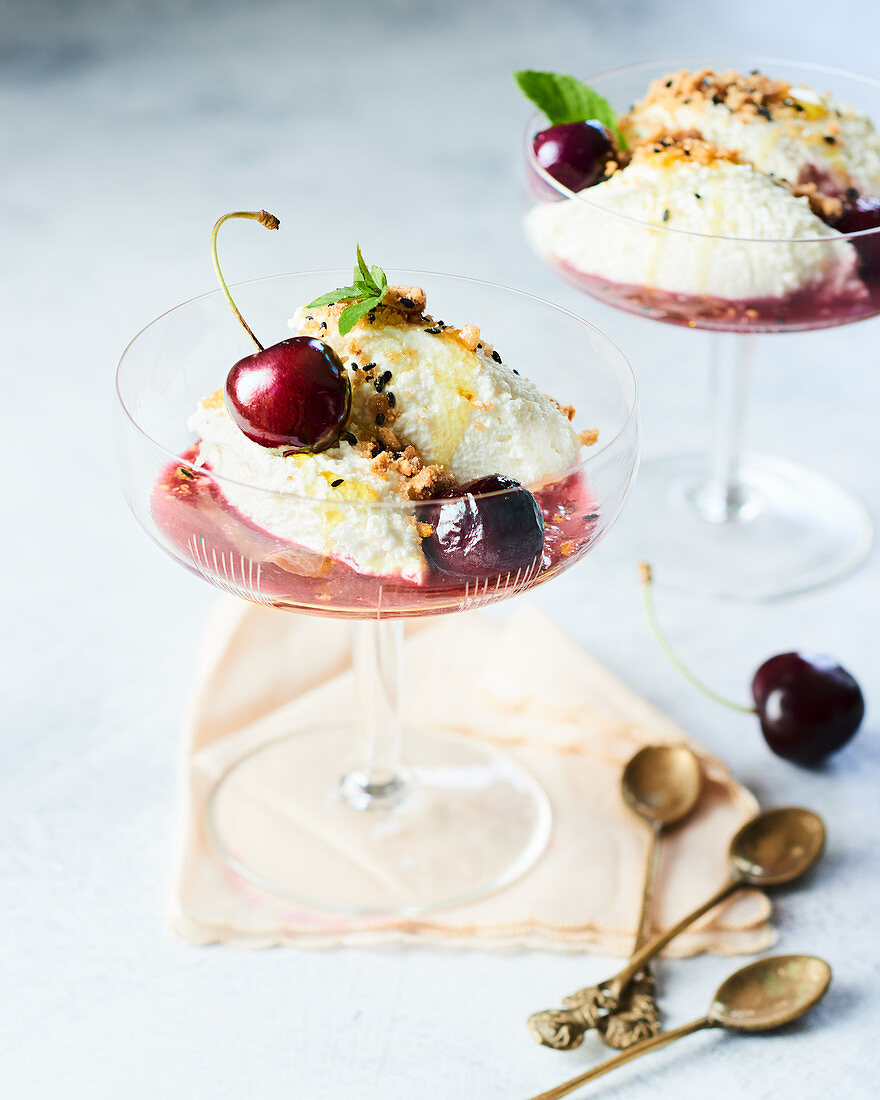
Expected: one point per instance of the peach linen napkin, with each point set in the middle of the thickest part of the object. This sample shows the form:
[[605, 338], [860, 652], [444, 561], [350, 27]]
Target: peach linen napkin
[[524, 684]]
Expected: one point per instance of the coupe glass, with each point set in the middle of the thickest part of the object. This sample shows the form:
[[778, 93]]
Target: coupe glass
[[720, 523], [398, 824]]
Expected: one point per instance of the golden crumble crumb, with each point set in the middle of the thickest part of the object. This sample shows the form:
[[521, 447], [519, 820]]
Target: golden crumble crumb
[[429, 482], [823, 206], [410, 300], [567, 548], [470, 337], [588, 436], [568, 411]]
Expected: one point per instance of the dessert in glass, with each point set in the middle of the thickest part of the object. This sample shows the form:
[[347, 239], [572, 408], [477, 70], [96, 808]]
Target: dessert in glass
[[738, 196], [377, 465]]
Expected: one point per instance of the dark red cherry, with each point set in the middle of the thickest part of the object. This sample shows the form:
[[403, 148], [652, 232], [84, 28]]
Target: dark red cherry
[[574, 153], [481, 536], [295, 395], [862, 213], [808, 705]]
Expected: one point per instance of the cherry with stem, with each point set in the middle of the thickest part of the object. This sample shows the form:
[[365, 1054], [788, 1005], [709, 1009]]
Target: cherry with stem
[[294, 395], [808, 705]]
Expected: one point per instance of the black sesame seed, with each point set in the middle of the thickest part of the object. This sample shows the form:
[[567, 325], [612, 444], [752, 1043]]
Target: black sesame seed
[[496, 356], [697, 195], [371, 316], [380, 419], [349, 438], [755, 72], [309, 317], [716, 98], [829, 140], [184, 472], [386, 377], [335, 484], [378, 385], [668, 83], [434, 331], [764, 112], [515, 371], [408, 302], [666, 215], [391, 399], [852, 194], [323, 325]]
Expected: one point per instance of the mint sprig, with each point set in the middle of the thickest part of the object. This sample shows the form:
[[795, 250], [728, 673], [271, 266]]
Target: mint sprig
[[564, 98], [365, 293]]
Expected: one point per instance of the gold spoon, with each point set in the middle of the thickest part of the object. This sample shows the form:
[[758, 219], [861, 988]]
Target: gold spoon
[[775, 847], [662, 784], [759, 997]]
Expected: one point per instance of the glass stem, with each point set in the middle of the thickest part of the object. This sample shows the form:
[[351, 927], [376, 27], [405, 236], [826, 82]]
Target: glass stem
[[722, 496], [377, 780]]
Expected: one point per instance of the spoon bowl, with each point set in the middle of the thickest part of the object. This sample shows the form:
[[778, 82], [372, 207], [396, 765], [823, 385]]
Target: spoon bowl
[[770, 993], [662, 783], [777, 846]]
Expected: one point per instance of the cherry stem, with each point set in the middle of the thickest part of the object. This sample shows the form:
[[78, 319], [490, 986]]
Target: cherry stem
[[647, 579], [264, 218]]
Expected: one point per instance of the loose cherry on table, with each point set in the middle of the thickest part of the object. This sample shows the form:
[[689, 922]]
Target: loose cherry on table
[[861, 214], [295, 394], [479, 535], [808, 705], [574, 153]]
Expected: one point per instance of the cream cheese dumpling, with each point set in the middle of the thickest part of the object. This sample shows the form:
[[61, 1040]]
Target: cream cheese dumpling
[[432, 407], [788, 132], [686, 186]]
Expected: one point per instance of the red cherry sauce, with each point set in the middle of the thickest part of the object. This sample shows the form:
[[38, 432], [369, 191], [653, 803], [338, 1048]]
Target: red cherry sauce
[[212, 538], [804, 310]]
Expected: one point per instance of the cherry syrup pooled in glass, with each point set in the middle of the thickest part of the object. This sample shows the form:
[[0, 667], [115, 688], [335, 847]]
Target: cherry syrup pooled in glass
[[218, 542], [804, 310]]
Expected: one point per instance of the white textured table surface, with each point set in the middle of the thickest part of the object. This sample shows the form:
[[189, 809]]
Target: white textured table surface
[[127, 126]]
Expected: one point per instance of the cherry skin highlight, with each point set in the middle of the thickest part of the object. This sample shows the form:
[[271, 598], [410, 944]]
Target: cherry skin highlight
[[574, 153], [295, 395], [476, 536], [808, 706]]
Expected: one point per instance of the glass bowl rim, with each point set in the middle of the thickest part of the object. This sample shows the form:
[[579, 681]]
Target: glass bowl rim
[[680, 62], [403, 505]]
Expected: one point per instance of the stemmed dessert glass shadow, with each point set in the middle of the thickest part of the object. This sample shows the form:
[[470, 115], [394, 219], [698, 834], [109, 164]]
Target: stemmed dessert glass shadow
[[725, 523], [356, 813]]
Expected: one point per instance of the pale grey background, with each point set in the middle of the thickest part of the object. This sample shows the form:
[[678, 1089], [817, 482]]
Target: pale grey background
[[125, 129]]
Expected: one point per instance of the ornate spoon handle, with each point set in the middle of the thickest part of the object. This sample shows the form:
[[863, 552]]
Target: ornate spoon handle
[[654, 1043], [564, 1029]]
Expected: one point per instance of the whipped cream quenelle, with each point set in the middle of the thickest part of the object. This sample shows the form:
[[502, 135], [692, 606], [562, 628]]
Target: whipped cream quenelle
[[432, 406], [689, 189], [723, 155]]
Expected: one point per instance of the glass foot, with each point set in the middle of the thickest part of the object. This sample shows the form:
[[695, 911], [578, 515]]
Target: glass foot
[[465, 821], [782, 530]]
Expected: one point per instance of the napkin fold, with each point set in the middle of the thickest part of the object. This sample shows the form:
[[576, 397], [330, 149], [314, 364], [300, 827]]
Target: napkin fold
[[525, 685]]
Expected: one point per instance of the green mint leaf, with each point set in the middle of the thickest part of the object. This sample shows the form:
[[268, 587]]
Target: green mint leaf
[[341, 294], [365, 271], [566, 99], [353, 313], [366, 290], [379, 278]]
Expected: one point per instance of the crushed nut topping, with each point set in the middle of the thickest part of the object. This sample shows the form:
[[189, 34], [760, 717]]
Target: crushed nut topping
[[751, 96]]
